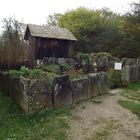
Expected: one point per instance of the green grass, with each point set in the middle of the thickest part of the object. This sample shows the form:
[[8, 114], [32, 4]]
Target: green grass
[[26, 72], [16, 125], [132, 92], [134, 107], [134, 86]]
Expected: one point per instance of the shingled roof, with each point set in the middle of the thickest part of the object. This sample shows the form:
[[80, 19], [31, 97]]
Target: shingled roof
[[47, 32]]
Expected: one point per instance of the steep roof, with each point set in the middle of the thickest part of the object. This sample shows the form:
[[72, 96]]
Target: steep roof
[[47, 32]]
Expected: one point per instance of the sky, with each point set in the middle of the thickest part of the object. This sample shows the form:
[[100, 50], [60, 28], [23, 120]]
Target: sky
[[36, 11]]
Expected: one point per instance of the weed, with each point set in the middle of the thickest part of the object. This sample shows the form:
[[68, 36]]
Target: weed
[[114, 79], [132, 92], [25, 72], [134, 86], [17, 125], [134, 107]]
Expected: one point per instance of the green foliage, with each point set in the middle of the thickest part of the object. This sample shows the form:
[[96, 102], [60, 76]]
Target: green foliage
[[104, 54], [76, 74], [103, 30], [79, 21], [16, 125], [25, 72], [114, 79], [13, 49], [129, 47], [50, 76], [65, 67], [133, 91], [130, 27], [84, 57], [134, 107], [134, 86], [131, 94], [90, 28]]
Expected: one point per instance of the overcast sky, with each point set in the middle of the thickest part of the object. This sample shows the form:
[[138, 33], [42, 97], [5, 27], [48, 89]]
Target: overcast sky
[[36, 11]]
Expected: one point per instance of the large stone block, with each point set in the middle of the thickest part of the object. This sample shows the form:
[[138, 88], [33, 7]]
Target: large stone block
[[93, 85], [134, 73], [130, 74], [125, 75], [102, 61], [124, 61], [138, 61], [102, 83], [40, 96], [61, 61], [62, 92], [80, 89], [130, 62], [23, 98]]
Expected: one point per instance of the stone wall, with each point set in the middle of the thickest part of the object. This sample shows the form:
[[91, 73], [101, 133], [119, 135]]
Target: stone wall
[[34, 95], [102, 61], [130, 74], [130, 71]]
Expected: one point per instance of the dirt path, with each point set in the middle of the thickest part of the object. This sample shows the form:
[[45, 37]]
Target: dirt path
[[103, 121]]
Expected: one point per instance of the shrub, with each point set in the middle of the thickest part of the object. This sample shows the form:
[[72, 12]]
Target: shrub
[[84, 56], [114, 79], [25, 72], [50, 77]]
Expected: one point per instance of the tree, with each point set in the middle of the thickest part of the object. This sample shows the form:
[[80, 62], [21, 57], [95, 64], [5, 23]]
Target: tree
[[52, 20], [131, 24], [92, 28], [130, 45], [12, 44]]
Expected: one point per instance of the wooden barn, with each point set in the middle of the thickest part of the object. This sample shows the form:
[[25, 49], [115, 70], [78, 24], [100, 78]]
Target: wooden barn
[[48, 42]]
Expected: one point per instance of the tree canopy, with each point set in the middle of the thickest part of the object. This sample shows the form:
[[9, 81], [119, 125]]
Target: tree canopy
[[103, 30]]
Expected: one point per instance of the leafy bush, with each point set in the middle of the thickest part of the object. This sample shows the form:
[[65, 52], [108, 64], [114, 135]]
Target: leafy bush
[[104, 54], [114, 79], [50, 77], [84, 56], [76, 74], [25, 72]]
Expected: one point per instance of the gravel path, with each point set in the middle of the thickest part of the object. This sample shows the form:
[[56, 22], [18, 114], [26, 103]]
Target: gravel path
[[103, 121]]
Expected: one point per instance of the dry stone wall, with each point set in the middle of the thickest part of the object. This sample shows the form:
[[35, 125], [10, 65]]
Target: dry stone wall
[[130, 71], [35, 95]]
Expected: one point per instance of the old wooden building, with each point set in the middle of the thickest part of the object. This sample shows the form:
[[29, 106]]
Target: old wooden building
[[48, 42]]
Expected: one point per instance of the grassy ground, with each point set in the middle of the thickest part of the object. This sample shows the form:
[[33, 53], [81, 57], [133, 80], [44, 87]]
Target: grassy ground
[[134, 107], [103, 133], [15, 125], [132, 92]]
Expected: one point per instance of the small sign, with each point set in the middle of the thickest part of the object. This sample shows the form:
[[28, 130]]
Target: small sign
[[118, 66]]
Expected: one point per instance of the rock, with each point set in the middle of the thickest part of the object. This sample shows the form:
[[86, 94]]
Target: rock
[[134, 73], [61, 61], [93, 85], [125, 75], [40, 96], [124, 61], [52, 60], [80, 89], [62, 92], [45, 60], [102, 83], [130, 62]]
